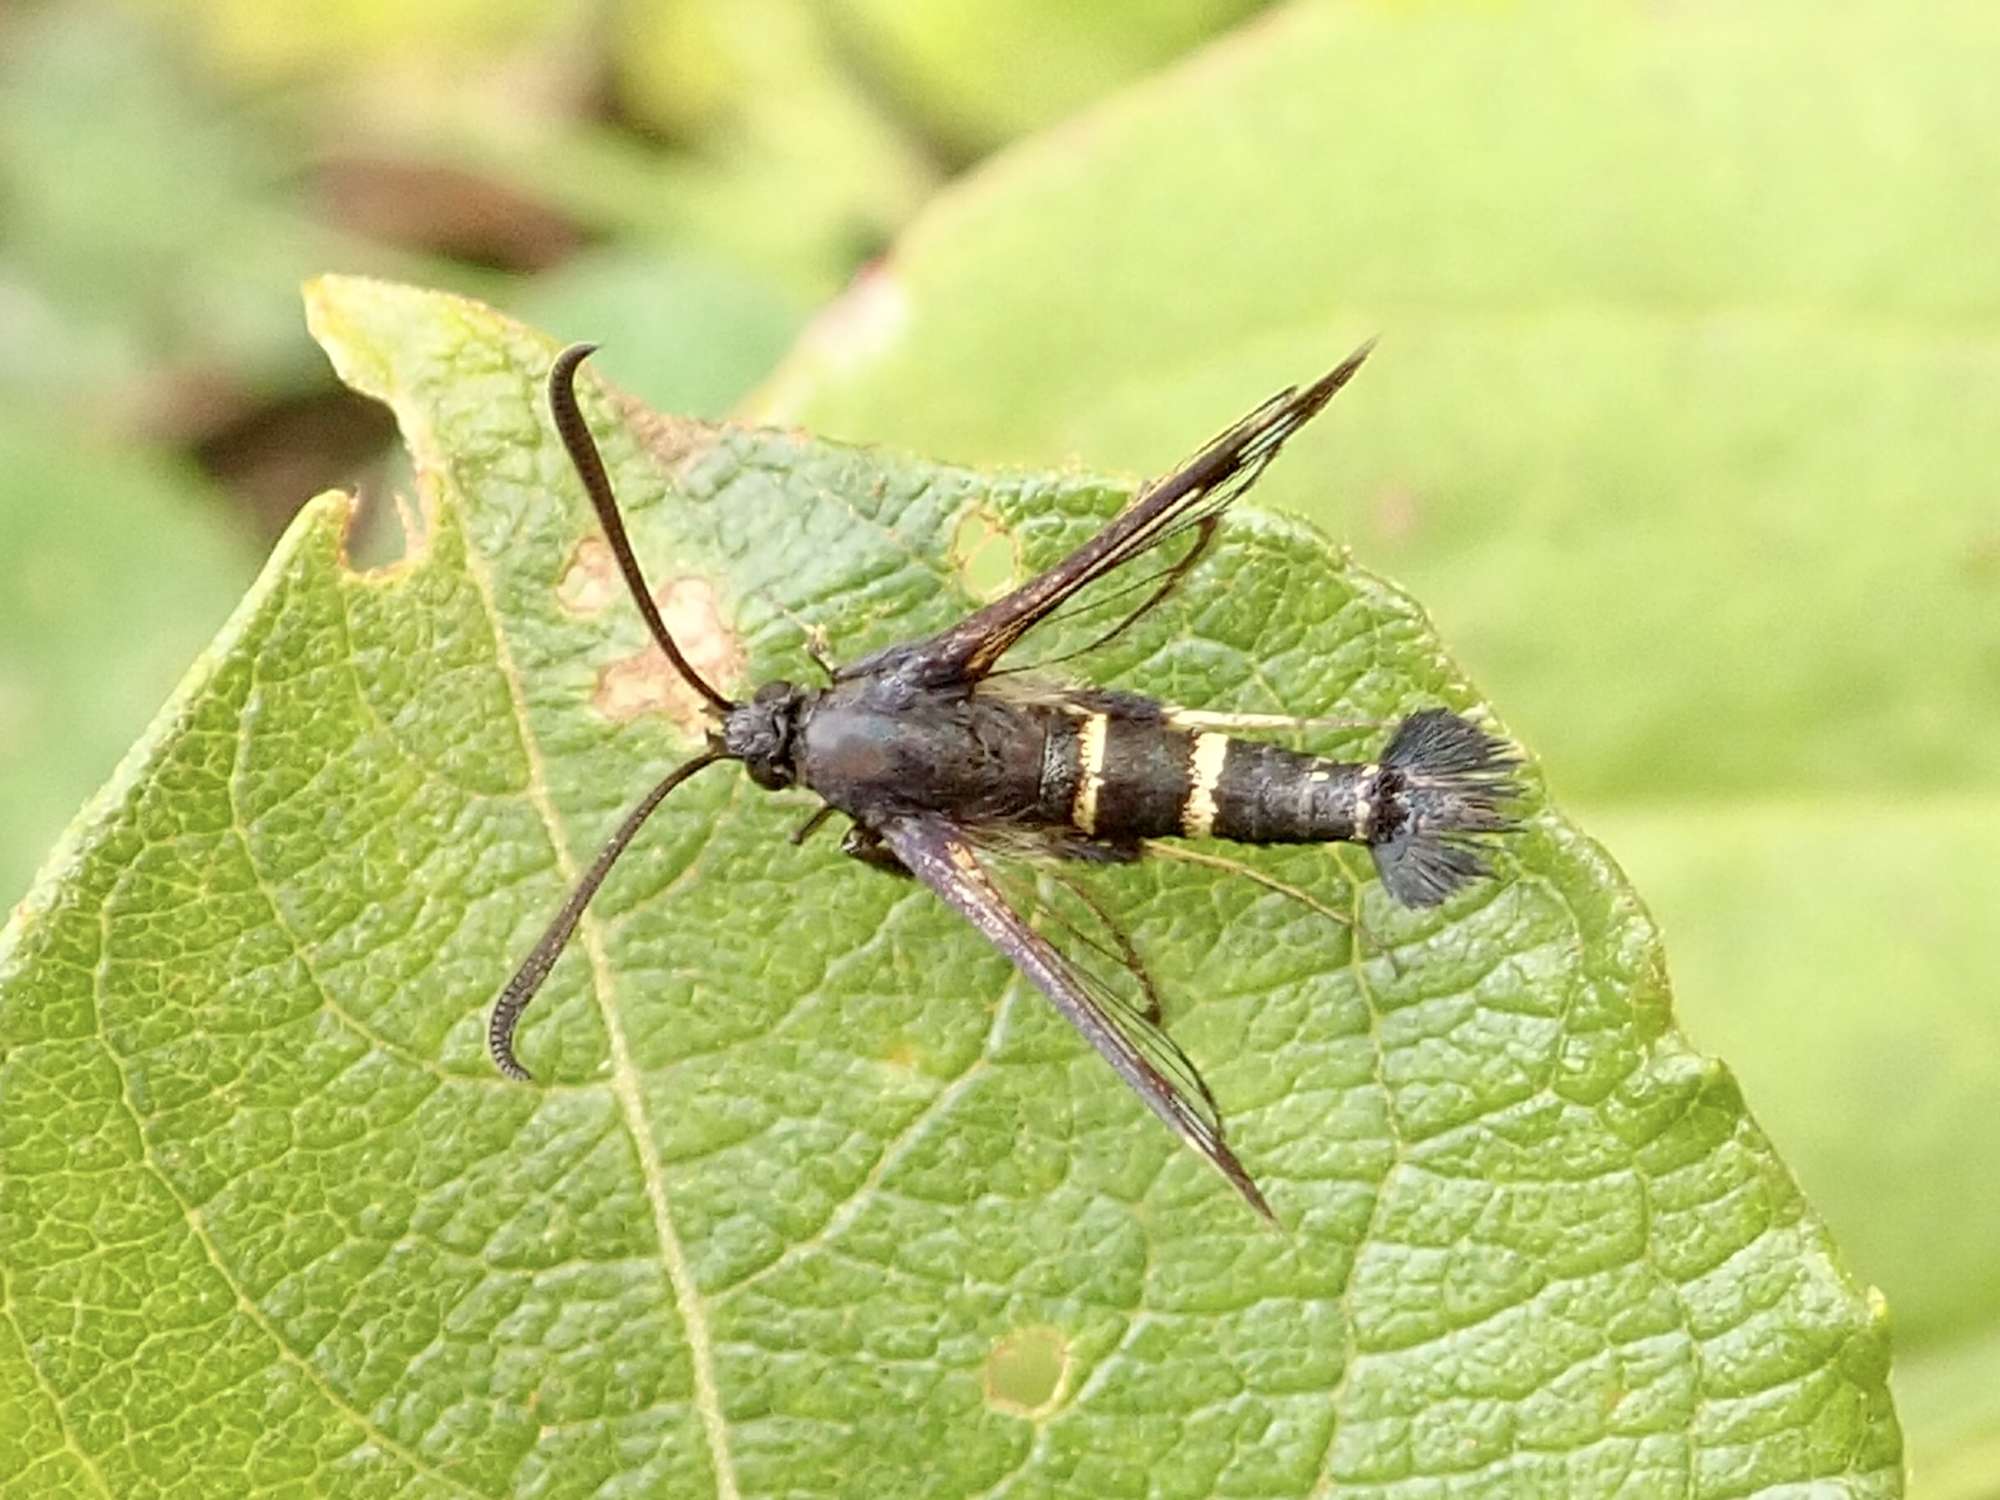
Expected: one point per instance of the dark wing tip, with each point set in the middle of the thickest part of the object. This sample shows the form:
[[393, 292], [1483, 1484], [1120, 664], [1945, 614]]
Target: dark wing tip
[[1147, 1060], [1321, 390], [1264, 431], [1243, 1183]]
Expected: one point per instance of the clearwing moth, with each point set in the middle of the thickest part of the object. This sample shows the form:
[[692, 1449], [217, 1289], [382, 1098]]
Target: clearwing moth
[[947, 764]]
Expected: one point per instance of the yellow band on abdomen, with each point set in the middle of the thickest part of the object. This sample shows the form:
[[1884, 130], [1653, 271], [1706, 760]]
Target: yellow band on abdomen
[[1204, 771], [1090, 742]]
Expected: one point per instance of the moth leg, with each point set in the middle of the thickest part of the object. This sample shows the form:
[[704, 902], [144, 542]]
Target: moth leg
[[1351, 922], [818, 648], [1149, 1061], [812, 824], [865, 844]]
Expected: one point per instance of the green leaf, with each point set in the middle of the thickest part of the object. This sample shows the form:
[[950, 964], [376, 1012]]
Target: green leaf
[[799, 176], [1791, 910], [813, 1196], [1680, 363], [1682, 427], [115, 566], [258, 44], [692, 334], [959, 64]]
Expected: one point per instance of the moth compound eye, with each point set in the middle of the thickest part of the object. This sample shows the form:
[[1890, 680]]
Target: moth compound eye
[[771, 775]]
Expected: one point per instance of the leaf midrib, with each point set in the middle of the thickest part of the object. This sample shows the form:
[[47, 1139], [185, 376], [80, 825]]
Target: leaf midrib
[[623, 1076]]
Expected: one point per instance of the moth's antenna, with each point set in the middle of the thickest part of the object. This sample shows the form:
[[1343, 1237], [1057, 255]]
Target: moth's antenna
[[542, 957], [575, 435]]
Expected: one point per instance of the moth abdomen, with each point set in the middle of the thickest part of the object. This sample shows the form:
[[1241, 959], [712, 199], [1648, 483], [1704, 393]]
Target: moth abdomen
[[1266, 794], [1441, 782]]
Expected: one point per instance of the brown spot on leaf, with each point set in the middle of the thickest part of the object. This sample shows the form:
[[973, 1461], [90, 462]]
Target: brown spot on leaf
[[591, 581], [647, 682], [1026, 1371], [675, 442]]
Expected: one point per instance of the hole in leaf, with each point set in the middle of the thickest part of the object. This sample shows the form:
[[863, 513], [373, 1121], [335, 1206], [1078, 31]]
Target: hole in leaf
[[1025, 1371], [985, 555]]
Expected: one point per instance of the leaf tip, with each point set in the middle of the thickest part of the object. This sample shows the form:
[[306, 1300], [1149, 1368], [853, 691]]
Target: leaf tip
[[324, 524]]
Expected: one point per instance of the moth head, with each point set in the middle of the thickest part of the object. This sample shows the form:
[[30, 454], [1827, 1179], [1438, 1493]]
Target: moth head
[[760, 733]]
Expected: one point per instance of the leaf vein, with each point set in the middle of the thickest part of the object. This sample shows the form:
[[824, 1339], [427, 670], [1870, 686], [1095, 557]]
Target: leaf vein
[[625, 1085], [213, 1252]]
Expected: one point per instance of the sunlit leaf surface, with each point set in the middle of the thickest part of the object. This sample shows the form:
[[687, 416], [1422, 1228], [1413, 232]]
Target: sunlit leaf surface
[[812, 1197]]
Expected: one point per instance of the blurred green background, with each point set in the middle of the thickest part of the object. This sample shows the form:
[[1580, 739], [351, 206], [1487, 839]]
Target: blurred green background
[[1682, 426]]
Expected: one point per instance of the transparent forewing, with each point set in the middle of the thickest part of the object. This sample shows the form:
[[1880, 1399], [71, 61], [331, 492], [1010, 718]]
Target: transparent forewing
[[1188, 499], [1105, 608], [942, 856], [1030, 874], [1102, 959]]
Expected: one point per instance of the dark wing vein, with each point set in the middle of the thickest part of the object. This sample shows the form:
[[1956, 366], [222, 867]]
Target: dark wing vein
[[938, 854], [1114, 949], [1192, 495], [1162, 582]]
